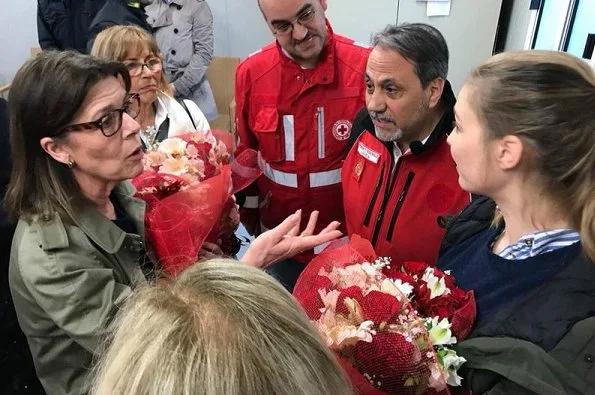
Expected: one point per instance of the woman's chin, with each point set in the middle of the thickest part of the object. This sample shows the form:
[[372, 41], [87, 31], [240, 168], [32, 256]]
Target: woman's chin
[[148, 97]]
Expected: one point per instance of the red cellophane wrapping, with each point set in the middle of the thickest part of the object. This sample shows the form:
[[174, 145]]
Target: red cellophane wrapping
[[180, 216], [391, 362]]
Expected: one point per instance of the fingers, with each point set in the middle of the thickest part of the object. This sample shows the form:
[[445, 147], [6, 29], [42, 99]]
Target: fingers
[[288, 226], [330, 227], [313, 241], [311, 224]]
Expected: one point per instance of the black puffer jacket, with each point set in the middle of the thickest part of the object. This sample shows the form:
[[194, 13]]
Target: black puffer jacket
[[64, 24], [117, 12]]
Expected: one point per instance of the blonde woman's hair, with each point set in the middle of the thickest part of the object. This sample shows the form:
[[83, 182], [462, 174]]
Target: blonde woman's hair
[[547, 99], [119, 42], [221, 327]]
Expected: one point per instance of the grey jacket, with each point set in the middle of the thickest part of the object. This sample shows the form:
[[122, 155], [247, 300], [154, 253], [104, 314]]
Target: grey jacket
[[504, 365], [184, 32], [66, 281]]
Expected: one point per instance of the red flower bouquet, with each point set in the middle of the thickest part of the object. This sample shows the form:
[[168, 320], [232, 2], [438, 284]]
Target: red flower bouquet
[[393, 326], [188, 185]]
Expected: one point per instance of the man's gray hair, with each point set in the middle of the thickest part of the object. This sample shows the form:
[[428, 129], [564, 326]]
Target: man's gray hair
[[419, 43]]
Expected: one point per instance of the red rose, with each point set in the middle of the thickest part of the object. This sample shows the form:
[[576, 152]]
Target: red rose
[[442, 306], [415, 268], [422, 295], [210, 170], [464, 317], [351, 292], [312, 303], [310, 298], [321, 282], [390, 359], [380, 307]]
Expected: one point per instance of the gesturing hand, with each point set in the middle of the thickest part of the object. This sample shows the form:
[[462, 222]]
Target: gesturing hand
[[286, 240]]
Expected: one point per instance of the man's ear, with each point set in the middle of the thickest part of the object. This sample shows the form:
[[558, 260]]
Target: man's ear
[[56, 150], [324, 4], [510, 151], [434, 91]]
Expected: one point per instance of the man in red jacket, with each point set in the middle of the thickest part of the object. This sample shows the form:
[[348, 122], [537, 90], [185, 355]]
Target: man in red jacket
[[399, 180], [295, 101]]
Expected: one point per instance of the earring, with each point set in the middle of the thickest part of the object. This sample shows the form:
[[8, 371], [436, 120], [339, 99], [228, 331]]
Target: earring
[[70, 164]]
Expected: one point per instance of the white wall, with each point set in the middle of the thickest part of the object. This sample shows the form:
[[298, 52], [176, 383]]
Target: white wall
[[18, 33], [240, 28], [469, 30], [520, 19]]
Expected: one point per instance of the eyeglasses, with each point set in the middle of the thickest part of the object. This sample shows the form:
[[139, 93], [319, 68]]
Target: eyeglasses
[[112, 121], [136, 68], [286, 28]]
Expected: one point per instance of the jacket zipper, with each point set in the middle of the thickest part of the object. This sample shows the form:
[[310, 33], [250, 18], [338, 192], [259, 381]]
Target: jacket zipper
[[320, 122], [385, 202], [393, 220], [368, 215]]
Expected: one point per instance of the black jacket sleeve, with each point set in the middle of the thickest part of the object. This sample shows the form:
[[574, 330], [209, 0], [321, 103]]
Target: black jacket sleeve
[[53, 27], [361, 123]]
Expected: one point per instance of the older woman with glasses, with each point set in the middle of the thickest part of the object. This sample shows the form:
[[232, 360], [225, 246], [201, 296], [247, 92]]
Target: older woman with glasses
[[78, 250], [160, 115]]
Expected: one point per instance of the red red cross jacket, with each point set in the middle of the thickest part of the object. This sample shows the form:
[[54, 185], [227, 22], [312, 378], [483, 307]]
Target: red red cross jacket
[[398, 207], [299, 120]]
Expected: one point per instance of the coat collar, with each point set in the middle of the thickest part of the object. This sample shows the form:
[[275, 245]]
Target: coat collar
[[103, 232]]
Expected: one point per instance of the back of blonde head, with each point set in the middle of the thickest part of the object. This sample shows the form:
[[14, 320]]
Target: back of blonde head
[[221, 328], [548, 100]]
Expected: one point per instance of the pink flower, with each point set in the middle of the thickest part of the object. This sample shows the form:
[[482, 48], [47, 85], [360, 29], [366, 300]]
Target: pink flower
[[153, 159], [191, 151]]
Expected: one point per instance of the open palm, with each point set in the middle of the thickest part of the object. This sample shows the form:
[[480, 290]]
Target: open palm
[[286, 240]]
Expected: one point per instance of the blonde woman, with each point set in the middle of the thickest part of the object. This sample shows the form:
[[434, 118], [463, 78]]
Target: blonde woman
[[219, 328], [161, 116], [525, 138]]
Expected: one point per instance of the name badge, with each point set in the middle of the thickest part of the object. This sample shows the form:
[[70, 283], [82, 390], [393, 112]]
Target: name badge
[[368, 153]]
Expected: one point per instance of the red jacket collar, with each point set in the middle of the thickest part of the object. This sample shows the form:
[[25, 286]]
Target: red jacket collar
[[324, 72]]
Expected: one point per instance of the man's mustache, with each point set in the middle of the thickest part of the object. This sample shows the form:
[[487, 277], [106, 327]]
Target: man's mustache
[[308, 36], [380, 117]]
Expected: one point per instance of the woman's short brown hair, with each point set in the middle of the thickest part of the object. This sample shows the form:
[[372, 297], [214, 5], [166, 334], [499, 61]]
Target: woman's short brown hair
[[119, 42], [221, 327], [46, 94]]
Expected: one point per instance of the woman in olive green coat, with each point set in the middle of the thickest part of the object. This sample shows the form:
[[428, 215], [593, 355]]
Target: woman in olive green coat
[[78, 251]]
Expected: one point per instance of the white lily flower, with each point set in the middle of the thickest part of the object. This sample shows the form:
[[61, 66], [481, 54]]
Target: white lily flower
[[451, 363], [405, 288], [436, 285], [439, 331]]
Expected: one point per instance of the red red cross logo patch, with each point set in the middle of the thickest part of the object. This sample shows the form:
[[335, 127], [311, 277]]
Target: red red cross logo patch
[[342, 130]]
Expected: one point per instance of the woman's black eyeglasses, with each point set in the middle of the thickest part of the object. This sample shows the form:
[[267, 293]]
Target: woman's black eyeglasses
[[110, 123]]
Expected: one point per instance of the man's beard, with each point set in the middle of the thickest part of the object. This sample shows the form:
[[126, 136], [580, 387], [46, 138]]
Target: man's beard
[[298, 57], [396, 134]]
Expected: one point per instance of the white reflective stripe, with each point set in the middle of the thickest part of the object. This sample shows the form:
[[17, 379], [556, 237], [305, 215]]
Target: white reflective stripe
[[288, 127], [251, 202], [278, 176], [325, 178], [320, 120], [319, 248]]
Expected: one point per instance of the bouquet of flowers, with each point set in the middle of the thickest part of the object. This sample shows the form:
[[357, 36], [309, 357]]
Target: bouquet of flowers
[[188, 184], [392, 326]]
